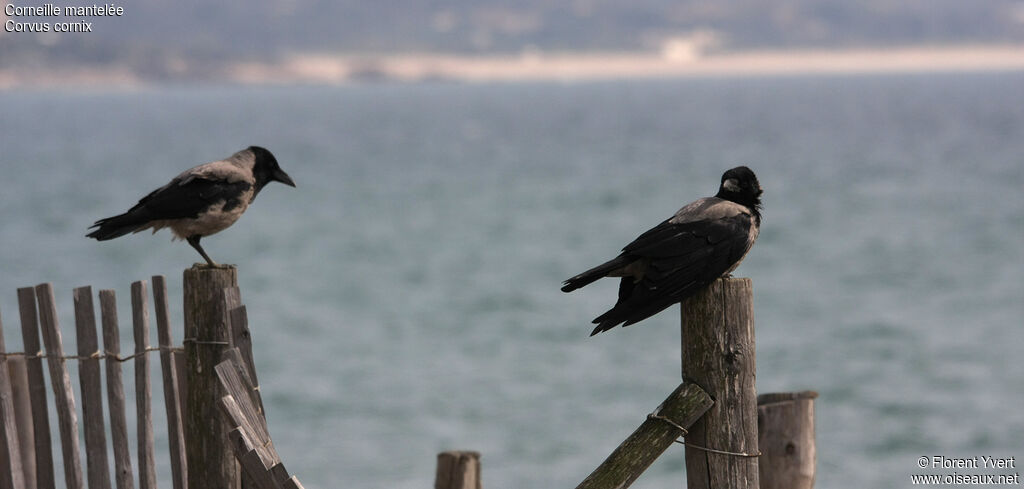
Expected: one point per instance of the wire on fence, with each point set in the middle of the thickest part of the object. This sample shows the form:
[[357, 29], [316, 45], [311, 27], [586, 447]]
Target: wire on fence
[[698, 447], [98, 355]]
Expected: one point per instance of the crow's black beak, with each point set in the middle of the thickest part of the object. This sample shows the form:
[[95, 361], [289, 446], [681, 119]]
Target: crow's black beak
[[283, 177]]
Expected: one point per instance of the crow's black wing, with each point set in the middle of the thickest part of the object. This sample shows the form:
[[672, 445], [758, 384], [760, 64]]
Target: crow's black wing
[[187, 198], [183, 197], [681, 258]]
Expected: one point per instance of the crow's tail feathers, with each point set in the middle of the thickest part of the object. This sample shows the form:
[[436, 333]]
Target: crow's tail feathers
[[627, 314], [594, 274], [116, 226]]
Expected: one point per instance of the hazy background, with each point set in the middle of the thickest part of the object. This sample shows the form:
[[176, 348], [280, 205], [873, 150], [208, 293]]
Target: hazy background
[[196, 40], [404, 298]]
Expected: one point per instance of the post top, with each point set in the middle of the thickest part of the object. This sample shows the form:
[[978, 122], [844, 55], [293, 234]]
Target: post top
[[207, 266], [776, 397]]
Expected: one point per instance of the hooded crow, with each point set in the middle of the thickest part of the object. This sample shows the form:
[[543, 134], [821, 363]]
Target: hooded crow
[[703, 241], [201, 201]]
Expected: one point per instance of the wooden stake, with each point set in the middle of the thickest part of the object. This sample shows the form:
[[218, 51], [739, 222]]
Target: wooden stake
[[458, 470], [785, 428], [718, 355], [209, 454]]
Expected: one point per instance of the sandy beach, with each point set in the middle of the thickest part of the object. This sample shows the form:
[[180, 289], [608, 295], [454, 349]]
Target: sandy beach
[[578, 67], [332, 68]]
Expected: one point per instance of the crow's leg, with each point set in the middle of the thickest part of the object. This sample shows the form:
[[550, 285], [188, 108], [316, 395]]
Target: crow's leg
[[194, 241]]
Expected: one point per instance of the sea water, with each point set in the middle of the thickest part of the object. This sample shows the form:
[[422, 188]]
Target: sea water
[[404, 297]]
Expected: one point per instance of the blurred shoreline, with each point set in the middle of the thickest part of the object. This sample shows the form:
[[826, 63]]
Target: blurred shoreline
[[330, 69]]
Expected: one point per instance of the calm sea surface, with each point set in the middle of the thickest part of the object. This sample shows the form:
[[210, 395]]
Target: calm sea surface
[[404, 298]]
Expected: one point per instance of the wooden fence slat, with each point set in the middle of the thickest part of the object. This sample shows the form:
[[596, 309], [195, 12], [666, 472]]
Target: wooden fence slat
[[232, 377], [241, 338], [115, 392], [23, 413], [143, 392], [45, 478], [179, 368], [235, 319], [11, 472], [60, 379], [237, 418], [293, 483], [248, 458], [98, 469], [279, 473], [176, 442], [251, 392]]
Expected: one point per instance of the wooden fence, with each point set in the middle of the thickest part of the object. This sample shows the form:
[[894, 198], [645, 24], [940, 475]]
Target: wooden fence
[[25, 440], [215, 415], [26, 451]]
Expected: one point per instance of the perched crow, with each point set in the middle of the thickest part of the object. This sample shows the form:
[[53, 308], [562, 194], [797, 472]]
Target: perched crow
[[703, 241], [201, 201]]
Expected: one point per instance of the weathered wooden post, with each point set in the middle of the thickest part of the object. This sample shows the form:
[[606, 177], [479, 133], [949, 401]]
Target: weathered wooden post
[[718, 356], [457, 470], [209, 456], [785, 427]]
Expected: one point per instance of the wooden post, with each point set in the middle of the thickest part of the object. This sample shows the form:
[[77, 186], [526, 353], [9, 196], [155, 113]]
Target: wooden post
[[663, 427], [718, 355], [785, 428], [458, 470], [209, 454]]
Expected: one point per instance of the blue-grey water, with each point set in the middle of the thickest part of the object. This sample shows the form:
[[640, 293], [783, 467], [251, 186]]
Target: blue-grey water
[[404, 298]]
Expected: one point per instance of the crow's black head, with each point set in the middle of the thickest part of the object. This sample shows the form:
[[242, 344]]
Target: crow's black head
[[265, 168], [740, 185]]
